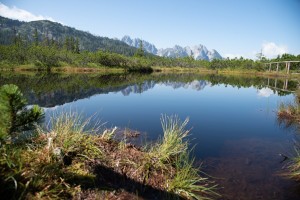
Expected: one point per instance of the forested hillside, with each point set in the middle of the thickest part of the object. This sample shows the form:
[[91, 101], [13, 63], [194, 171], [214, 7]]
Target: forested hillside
[[52, 31]]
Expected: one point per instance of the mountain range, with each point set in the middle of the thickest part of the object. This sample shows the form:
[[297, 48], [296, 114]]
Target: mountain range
[[198, 52], [126, 46]]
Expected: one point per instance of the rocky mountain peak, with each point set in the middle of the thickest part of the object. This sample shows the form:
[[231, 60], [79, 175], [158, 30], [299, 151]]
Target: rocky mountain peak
[[199, 52]]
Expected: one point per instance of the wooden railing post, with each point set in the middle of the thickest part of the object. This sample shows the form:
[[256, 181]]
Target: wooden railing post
[[287, 65]]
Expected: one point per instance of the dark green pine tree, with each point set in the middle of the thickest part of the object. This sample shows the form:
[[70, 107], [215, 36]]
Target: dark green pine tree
[[140, 51], [19, 41], [67, 43], [15, 36], [15, 117], [47, 40], [36, 37], [76, 49], [71, 44]]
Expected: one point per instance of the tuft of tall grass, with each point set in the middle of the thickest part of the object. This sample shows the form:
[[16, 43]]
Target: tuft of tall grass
[[291, 109], [71, 134], [11, 165], [51, 164], [172, 150], [108, 133], [187, 182], [172, 143], [293, 166], [289, 114]]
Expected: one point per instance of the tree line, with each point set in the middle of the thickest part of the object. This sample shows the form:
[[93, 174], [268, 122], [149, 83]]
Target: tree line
[[45, 52]]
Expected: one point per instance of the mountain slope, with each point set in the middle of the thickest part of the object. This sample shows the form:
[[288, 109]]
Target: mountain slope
[[45, 28]]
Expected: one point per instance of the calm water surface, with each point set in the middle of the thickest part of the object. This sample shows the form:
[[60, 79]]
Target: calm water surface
[[232, 120]]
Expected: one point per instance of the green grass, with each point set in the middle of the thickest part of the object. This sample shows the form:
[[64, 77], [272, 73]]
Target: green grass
[[187, 182], [70, 134], [38, 168], [53, 164], [173, 150], [293, 166], [172, 144], [289, 113]]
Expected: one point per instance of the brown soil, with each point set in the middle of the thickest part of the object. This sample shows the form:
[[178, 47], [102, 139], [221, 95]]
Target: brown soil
[[126, 172]]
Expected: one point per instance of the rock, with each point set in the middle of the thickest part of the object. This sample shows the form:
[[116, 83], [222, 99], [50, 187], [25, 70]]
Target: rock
[[248, 161]]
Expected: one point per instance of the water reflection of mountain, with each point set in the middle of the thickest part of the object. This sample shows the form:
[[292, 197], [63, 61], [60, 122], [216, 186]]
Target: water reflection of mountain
[[195, 84], [61, 96], [48, 90], [140, 88]]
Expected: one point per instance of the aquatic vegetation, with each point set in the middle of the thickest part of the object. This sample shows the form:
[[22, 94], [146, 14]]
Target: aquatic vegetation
[[289, 113], [293, 166], [187, 182], [173, 150]]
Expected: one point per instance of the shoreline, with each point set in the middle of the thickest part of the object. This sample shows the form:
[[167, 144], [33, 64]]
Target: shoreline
[[156, 69]]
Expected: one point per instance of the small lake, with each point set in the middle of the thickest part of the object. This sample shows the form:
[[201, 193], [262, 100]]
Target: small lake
[[233, 119]]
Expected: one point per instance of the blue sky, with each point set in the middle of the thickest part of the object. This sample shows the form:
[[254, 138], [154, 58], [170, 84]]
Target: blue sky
[[232, 27]]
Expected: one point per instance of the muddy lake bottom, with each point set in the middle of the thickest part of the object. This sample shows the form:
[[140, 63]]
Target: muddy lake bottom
[[251, 169]]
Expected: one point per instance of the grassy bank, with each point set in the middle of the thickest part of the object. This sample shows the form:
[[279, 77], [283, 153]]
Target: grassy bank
[[74, 69], [224, 71], [73, 161], [118, 70]]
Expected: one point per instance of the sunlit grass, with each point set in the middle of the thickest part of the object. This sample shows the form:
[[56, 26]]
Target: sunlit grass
[[71, 134], [294, 166], [173, 150], [172, 144], [187, 182], [44, 167], [289, 113], [54, 164]]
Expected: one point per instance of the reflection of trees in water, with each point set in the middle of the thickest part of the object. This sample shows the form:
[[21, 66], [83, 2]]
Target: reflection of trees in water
[[55, 89]]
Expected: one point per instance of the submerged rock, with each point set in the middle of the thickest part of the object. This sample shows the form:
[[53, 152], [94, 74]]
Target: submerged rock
[[248, 161]]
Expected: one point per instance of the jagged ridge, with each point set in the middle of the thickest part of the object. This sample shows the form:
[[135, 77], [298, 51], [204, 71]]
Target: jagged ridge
[[198, 52]]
